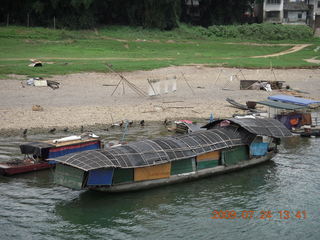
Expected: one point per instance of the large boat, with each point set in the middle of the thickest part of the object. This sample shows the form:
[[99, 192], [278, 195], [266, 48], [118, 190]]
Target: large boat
[[37, 153], [226, 145]]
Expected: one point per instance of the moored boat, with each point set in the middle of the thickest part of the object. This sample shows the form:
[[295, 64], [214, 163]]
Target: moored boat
[[227, 145], [37, 153]]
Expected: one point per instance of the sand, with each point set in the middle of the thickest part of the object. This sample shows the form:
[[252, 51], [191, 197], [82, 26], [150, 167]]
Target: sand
[[82, 99]]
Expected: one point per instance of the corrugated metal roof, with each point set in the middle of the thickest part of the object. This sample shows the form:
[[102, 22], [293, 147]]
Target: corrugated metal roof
[[293, 100], [154, 152], [280, 105]]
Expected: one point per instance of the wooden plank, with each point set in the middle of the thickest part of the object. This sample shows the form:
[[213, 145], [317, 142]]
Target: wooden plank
[[153, 172], [209, 156]]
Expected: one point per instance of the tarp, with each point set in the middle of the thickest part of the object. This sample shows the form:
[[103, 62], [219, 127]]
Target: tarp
[[40, 149], [293, 100], [100, 177], [291, 120], [259, 149], [280, 105]]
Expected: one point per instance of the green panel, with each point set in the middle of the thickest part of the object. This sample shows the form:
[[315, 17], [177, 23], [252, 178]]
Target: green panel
[[207, 164], [182, 166], [235, 155], [68, 176], [122, 175]]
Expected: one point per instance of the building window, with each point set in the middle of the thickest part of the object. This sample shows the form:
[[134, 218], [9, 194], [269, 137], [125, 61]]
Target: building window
[[299, 15], [273, 1], [273, 14], [318, 4]]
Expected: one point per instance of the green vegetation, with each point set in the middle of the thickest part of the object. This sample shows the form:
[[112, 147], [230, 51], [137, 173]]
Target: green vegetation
[[87, 14], [128, 49]]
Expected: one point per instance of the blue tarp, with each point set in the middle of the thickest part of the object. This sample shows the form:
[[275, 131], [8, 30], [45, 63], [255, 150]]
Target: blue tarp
[[293, 100], [100, 177], [259, 149]]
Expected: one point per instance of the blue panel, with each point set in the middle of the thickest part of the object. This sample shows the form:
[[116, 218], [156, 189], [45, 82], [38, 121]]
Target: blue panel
[[100, 177], [293, 100], [259, 149], [69, 150]]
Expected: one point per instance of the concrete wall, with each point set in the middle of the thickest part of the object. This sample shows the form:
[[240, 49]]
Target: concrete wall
[[269, 7], [293, 17]]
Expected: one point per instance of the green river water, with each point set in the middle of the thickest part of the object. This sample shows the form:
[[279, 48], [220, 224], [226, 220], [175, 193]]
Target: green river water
[[33, 207]]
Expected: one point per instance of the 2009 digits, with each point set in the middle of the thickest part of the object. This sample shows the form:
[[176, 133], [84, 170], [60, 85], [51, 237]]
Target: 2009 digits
[[248, 214]]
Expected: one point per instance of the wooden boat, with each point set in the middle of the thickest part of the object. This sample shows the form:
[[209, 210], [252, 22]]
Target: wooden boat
[[185, 126], [226, 145], [37, 153]]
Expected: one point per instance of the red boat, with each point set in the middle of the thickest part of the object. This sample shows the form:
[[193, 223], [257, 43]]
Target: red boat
[[38, 154], [23, 166]]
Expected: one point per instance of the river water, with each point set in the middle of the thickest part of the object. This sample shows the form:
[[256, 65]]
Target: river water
[[33, 207]]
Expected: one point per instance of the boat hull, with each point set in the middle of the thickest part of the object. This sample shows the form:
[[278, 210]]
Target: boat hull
[[6, 169], [136, 186]]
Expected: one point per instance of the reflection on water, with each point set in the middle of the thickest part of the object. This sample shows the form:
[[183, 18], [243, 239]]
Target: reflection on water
[[32, 207]]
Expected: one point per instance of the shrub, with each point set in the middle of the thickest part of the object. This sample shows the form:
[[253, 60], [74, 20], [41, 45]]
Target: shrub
[[265, 31]]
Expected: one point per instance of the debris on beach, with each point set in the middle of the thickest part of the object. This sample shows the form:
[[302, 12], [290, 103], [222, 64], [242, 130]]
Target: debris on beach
[[260, 85], [35, 63], [40, 82], [37, 108]]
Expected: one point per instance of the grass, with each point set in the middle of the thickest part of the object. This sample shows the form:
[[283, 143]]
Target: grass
[[129, 49]]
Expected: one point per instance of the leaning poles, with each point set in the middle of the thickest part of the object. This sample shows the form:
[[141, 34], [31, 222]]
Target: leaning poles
[[123, 80]]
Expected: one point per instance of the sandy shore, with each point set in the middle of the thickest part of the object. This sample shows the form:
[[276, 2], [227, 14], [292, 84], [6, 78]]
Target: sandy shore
[[85, 99]]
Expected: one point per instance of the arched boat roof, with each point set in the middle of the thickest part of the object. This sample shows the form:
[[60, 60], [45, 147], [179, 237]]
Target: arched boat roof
[[157, 151], [258, 126]]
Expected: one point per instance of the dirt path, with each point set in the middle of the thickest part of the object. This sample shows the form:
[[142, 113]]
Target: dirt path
[[87, 58], [296, 48], [312, 60]]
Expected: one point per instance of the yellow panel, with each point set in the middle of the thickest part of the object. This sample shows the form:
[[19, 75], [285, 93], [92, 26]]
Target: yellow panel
[[153, 172], [209, 156]]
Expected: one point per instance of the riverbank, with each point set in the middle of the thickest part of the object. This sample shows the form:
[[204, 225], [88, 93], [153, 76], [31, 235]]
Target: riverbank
[[85, 99]]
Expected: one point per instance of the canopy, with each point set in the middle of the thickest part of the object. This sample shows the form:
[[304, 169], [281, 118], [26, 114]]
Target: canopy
[[259, 126], [280, 105], [293, 100], [154, 152]]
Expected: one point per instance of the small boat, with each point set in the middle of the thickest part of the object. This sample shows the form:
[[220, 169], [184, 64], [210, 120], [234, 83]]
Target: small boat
[[37, 153], [226, 145], [185, 126]]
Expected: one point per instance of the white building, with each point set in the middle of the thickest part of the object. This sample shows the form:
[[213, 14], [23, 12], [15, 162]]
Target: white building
[[286, 11]]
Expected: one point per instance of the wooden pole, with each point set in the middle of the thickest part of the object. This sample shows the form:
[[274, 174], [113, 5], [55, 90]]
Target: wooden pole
[[54, 22], [8, 16], [28, 20]]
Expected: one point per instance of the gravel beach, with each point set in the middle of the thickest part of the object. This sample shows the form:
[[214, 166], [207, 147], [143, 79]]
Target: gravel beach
[[85, 99]]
